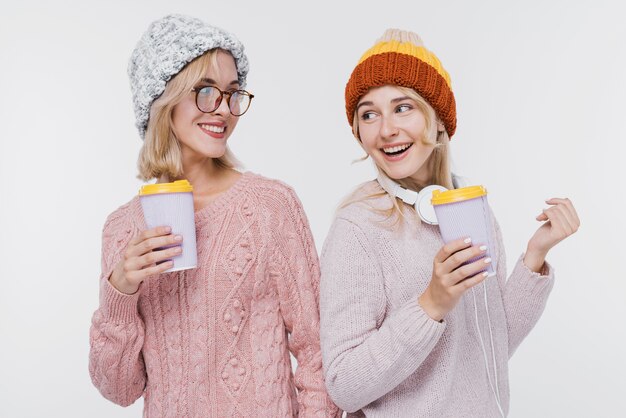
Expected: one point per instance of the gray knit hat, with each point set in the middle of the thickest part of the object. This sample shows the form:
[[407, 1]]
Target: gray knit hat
[[165, 48]]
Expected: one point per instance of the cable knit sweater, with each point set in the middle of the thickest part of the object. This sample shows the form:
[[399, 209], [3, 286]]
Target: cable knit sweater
[[215, 341], [383, 355]]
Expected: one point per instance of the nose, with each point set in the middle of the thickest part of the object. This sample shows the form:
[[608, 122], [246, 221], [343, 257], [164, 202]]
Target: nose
[[223, 109], [388, 129]]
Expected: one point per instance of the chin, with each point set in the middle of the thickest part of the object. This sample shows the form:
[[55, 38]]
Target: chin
[[398, 173], [214, 153]]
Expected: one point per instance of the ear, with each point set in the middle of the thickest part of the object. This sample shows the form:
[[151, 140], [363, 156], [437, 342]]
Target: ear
[[440, 126]]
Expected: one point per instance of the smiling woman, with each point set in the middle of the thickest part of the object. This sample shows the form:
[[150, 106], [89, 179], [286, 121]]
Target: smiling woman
[[161, 154], [216, 340], [398, 134], [403, 334], [192, 123]]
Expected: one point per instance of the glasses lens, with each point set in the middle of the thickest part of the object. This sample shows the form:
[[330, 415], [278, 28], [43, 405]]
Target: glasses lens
[[208, 99], [239, 102]]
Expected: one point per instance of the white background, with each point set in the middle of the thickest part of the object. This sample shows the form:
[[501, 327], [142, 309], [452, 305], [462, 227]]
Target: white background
[[540, 90]]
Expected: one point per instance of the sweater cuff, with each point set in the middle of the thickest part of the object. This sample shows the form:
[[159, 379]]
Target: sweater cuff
[[530, 282], [420, 330], [118, 307]]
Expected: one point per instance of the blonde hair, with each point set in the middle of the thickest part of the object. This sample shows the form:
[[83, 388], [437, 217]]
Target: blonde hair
[[161, 154], [438, 162]]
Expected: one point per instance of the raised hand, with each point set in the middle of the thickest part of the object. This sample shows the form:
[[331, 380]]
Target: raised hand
[[560, 221]]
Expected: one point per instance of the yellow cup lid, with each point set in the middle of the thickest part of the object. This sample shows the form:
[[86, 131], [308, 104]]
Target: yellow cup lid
[[457, 195], [179, 186]]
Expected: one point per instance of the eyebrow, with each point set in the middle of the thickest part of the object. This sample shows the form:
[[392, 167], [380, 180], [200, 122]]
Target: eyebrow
[[211, 81], [363, 104], [396, 100], [400, 99]]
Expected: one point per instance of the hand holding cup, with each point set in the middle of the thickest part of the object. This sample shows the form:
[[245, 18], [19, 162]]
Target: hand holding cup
[[457, 267], [169, 215], [144, 257], [464, 217]]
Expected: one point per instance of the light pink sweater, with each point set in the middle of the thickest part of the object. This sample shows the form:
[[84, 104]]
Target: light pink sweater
[[383, 355], [215, 341]]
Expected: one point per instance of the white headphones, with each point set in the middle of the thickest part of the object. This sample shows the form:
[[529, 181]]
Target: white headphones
[[420, 200], [424, 208]]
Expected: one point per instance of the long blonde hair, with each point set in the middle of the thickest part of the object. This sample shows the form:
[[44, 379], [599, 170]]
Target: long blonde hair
[[161, 154], [438, 162]]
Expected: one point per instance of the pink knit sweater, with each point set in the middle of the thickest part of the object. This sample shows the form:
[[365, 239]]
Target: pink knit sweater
[[383, 355], [215, 341]]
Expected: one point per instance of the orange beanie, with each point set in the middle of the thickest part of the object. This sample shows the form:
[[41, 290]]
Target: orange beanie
[[400, 58]]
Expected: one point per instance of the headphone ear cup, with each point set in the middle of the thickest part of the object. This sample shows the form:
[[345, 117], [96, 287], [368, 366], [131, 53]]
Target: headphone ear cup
[[423, 205]]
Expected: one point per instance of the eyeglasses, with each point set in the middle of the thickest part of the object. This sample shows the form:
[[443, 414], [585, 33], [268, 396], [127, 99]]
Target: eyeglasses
[[209, 98]]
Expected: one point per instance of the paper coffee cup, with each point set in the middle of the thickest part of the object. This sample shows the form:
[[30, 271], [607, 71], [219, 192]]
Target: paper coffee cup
[[171, 204], [463, 213]]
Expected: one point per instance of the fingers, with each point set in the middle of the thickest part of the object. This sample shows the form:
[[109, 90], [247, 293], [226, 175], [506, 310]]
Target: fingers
[[451, 271], [151, 258], [452, 247], [562, 215], [567, 208], [472, 281], [453, 268], [137, 276], [469, 270], [557, 217], [150, 233], [150, 253], [560, 227], [462, 256], [562, 201], [152, 242]]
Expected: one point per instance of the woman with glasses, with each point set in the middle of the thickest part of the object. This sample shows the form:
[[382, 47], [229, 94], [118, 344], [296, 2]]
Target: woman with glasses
[[215, 340]]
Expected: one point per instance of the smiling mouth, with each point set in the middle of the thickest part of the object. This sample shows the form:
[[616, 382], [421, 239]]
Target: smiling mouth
[[397, 150], [213, 128]]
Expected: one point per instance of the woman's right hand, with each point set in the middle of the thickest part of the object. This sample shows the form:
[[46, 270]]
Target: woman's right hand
[[450, 280], [140, 260]]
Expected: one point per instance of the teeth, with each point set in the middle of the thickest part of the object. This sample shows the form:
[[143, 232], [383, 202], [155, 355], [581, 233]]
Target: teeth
[[213, 128], [397, 148]]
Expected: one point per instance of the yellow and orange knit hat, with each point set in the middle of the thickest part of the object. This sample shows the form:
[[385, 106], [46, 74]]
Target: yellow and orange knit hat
[[400, 58]]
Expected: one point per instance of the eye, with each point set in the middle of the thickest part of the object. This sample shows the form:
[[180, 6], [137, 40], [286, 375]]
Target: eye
[[403, 108], [205, 90], [368, 116]]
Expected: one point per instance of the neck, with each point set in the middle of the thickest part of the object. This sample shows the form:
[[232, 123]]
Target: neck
[[417, 181], [203, 174], [413, 184], [207, 178], [422, 177]]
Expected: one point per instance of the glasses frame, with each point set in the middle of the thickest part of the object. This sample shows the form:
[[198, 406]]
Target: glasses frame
[[228, 95]]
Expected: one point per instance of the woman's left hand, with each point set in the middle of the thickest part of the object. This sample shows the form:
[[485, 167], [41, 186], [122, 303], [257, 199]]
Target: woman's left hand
[[562, 221]]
